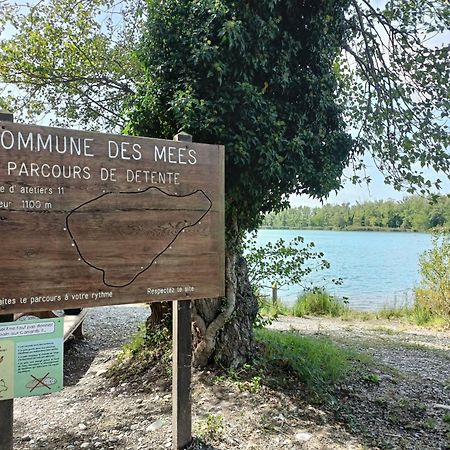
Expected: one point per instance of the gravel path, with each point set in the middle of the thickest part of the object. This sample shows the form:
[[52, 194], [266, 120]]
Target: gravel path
[[409, 380], [405, 402]]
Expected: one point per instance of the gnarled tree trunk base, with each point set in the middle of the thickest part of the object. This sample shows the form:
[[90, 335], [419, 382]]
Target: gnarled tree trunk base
[[233, 343]]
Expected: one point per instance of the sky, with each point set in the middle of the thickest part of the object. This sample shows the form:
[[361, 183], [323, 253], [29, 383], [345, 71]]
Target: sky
[[351, 193], [359, 193]]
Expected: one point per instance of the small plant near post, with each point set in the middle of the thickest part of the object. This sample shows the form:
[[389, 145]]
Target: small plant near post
[[281, 263]]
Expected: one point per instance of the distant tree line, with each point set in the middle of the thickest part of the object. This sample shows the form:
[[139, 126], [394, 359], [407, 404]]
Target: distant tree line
[[411, 214]]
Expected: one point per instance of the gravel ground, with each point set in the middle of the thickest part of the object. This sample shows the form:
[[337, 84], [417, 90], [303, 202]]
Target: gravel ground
[[400, 406], [404, 403]]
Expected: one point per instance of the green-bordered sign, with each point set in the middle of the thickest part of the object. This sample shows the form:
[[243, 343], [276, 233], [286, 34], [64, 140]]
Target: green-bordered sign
[[31, 358]]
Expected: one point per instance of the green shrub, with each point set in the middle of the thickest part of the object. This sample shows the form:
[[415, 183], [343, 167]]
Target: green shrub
[[149, 348], [212, 427], [395, 311], [432, 301], [318, 303]]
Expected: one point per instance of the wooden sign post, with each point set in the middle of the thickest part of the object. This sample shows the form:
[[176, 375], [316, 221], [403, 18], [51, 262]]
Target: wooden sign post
[[182, 373], [181, 364], [6, 406]]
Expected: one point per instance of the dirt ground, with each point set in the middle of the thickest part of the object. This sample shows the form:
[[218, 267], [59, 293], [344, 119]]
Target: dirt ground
[[403, 402]]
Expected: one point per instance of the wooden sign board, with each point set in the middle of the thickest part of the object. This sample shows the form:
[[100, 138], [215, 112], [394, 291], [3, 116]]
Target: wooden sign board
[[90, 219]]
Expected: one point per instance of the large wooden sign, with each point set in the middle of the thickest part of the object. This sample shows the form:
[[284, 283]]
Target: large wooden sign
[[89, 219]]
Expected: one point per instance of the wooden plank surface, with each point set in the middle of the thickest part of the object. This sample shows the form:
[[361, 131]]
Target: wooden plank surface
[[91, 219], [72, 323]]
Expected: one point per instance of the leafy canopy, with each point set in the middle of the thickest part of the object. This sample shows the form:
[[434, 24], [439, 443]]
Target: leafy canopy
[[258, 77], [395, 85], [72, 60]]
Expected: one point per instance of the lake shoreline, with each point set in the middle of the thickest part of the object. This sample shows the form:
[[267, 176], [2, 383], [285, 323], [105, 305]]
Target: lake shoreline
[[371, 229]]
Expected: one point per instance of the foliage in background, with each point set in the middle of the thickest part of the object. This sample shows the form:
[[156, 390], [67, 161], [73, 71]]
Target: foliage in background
[[282, 263], [72, 62], [433, 294], [411, 214]]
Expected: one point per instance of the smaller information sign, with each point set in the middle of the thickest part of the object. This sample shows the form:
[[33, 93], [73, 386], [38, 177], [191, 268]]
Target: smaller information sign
[[31, 357]]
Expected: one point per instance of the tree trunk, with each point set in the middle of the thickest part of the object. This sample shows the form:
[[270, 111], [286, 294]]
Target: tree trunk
[[223, 328], [161, 315]]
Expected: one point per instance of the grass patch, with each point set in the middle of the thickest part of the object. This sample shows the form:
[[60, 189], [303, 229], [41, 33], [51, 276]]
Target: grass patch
[[312, 303], [416, 314], [317, 362], [147, 356], [318, 303], [272, 309], [248, 378], [394, 312]]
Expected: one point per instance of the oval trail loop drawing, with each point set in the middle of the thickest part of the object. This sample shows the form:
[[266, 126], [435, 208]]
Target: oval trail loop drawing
[[122, 234]]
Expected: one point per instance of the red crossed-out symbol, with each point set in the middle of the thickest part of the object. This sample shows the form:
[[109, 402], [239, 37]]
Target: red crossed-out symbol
[[40, 381]]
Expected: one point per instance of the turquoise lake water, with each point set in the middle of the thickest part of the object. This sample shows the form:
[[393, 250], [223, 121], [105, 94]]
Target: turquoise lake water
[[377, 268]]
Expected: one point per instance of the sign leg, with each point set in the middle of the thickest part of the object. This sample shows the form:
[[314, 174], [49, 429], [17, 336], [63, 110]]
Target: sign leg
[[6, 406], [6, 410], [181, 381]]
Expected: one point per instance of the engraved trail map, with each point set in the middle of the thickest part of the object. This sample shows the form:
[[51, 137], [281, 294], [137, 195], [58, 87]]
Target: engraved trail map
[[163, 218]]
